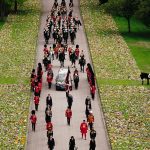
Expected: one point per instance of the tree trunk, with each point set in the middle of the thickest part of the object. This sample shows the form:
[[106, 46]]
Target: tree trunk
[[15, 6], [2, 10], [129, 25]]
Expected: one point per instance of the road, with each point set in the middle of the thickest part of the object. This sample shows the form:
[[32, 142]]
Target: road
[[62, 132]]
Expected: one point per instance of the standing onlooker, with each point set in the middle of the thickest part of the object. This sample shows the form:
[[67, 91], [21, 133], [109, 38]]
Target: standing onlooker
[[93, 89], [68, 114], [49, 79], [36, 102], [84, 128], [51, 143], [92, 144], [33, 119], [72, 143]]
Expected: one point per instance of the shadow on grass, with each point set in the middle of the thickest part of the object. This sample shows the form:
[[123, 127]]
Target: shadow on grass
[[133, 35], [26, 12], [137, 35]]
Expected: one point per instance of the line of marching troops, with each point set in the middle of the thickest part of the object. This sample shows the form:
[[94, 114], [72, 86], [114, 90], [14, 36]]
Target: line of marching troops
[[59, 26]]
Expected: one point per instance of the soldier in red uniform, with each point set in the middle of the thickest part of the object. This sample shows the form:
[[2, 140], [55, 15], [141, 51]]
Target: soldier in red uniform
[[49, 126], [69, 51], [36, 102], [36, 90], [32, 81], [83, 128], [45, 50], [68, 114], [40, 87], [93, 89], [49, 79], [33, 119], [77, 51]]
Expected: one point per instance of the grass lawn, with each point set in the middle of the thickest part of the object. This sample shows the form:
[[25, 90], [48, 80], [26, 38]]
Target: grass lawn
[[1, 24], [17, 55], [124, 100], [138, 41]]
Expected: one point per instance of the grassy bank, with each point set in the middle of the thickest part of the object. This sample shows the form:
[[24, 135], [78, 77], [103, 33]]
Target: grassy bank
[[138, 41], [124, 100], [17, 46]]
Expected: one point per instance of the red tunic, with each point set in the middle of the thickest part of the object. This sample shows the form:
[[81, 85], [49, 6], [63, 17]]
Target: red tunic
[[49, 126], [36, 99], [83, 127], [33, 118], [33, 82], [68, 113], [49, 78], [40, 86], [93, 89], [49, 67], [77, 52], [36, 89], [45, 50]]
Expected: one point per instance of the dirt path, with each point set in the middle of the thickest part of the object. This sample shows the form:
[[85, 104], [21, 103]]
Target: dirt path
[[63, 132]]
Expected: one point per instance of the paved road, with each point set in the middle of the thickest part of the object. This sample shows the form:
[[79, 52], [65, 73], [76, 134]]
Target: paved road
[[63, 132]]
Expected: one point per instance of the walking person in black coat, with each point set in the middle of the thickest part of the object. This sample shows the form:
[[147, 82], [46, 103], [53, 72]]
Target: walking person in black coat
[[49, 100], [93, 134], [51, 143], [88, 102], [70, 100], [72, 143], [48, 114], [92, 144]]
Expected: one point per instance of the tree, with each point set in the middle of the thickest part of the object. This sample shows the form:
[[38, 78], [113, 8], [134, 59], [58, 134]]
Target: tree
[[15, 4], [4, 9], [124, 8], [143, 12], [103, 1]]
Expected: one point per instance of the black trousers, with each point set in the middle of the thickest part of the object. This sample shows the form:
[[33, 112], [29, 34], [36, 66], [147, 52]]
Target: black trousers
[[68, 121], [36, 107], [82, 68], [91, 126], [76, 85], [93, 95], [49, 85], [33, 126]]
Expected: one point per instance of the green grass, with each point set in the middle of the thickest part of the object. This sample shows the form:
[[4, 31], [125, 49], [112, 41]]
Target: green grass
[[124, 100], [17, 55], [1, 24], [138, 41], [119, 82]]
